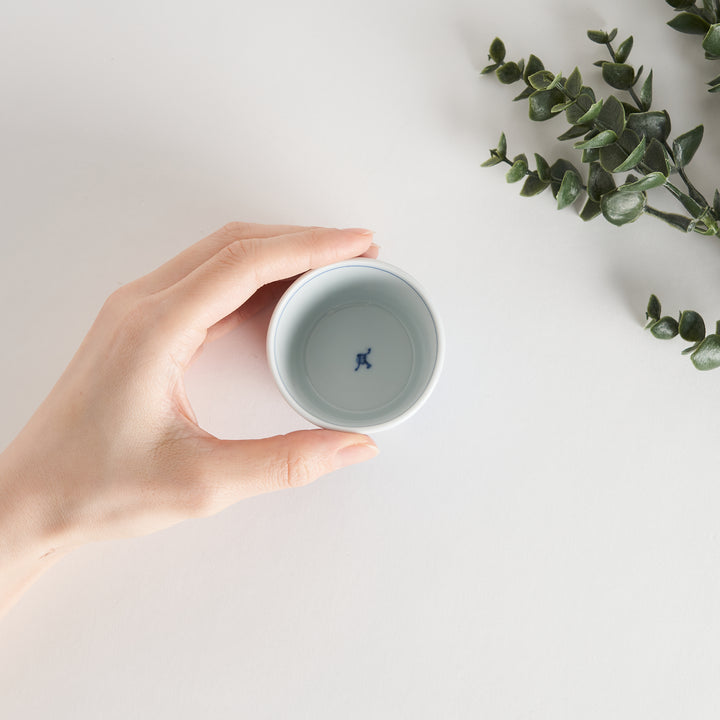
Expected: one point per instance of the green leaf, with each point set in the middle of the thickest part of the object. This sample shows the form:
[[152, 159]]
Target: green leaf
[[497, 50], [716, 204], [591, 114], [525, 94], [680, 4], [598, 36], [624, 49], [707, 356], [533, 186], [557, 173], [652, 180], [606, 137], [573, 83], [612, 156], [502, 145], [645, 95], [541, 103], [489, 68], [622, 208], [691, 326], [694, 208], [518, 170], [629, 140], [711, 42], [586, 90], [583, 103], [654, 310], [656, 158], [534, 65], [591, 155], [715, 81], [508, 73], [618, 75], [638, 74], [562, 106], [633, 158], [494, 159], [714, 89], [600, 182], [543, 169], [590, 210], [698, 197], [654, 124], [688, 23], [629, 109], [555, 81], [665, 328], [541, 79], [685, 146], [612, 34], [570, 188], [575, 131], [612, 116]]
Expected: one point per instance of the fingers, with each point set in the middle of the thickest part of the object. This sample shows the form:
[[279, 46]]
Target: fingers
[[192, 257], [372, 252], [235, 469], [231, 276], [266, 296]]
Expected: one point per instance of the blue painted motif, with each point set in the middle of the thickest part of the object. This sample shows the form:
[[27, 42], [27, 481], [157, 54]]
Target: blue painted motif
[[361, 359]]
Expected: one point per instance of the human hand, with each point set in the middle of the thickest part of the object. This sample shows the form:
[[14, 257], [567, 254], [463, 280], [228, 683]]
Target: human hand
[[115, 449]]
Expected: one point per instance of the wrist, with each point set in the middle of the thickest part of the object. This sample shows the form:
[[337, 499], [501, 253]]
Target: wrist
[[31, 524]]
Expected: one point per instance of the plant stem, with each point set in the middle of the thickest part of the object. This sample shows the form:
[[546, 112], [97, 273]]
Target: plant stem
[[694, 192], [650, 210], [706, 218], [674, 191]]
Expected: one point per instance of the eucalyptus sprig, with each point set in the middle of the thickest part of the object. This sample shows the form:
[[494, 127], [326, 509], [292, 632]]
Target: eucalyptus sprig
[[705, 349], [618, 136], [700, 20]]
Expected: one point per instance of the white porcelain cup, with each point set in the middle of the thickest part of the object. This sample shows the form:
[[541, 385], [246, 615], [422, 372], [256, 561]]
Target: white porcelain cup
[[355, 346]]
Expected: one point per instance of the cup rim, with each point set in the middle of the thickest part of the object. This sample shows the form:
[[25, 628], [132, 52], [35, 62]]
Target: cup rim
[[355, 262]]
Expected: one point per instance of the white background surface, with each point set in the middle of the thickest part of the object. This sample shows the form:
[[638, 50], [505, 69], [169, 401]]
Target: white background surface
[[541, 540]]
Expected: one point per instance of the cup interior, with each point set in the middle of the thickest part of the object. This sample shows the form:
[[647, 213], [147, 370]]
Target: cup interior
[[354, 345]]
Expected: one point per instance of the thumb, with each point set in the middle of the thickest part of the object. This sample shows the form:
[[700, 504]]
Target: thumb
[[242, 468]]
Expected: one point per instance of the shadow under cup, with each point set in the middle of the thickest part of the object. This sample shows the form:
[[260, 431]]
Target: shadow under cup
[[355, 346]]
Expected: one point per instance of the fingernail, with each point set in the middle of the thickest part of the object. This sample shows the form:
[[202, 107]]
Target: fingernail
[[353, 454], [359, 231], [375, 245]]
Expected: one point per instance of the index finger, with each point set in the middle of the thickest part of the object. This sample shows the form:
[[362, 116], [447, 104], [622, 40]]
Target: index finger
[[224, 282], [192, 257]]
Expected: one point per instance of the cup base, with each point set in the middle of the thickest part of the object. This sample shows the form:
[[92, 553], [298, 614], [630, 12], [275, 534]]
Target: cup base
[[359, 358]]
